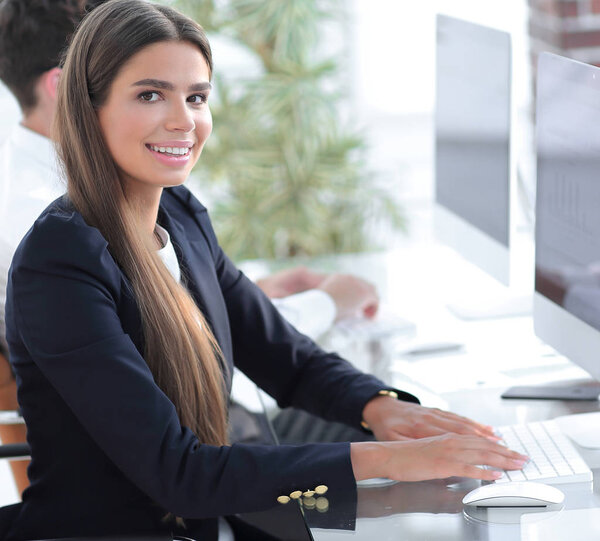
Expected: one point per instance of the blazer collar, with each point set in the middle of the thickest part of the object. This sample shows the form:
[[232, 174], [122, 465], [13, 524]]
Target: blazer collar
[[199, 277]]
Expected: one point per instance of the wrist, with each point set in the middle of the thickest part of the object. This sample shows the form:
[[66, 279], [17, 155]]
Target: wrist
[[368, 459], [372, 410]]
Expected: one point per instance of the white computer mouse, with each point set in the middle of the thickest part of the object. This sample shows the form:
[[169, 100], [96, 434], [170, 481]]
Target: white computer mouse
[[516, 494]]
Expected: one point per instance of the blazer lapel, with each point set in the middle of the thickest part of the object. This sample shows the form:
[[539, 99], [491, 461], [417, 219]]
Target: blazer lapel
[[198, 274]]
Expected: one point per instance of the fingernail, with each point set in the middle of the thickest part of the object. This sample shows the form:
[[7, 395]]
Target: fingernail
[[497, 474]]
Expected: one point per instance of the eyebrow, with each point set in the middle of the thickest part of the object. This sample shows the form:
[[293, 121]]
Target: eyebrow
[[165, 85]]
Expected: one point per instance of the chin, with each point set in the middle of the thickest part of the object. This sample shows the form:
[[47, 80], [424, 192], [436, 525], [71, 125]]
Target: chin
[[173, 183]]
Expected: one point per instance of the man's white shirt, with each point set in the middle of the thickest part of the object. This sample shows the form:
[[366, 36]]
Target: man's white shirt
[[29, 182]]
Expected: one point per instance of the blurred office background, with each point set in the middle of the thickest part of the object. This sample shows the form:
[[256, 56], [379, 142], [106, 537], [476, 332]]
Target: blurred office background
[[385, 59], [385, 67]]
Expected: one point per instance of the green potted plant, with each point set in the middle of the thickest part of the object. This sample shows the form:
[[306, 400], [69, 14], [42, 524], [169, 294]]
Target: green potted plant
[[291, 179]]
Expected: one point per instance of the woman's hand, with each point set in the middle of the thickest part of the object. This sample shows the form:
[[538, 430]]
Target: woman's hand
[[390, 419], [439, 457]]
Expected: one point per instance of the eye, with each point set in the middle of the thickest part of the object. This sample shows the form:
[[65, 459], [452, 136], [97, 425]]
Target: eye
[[149, 96], [198, 99]]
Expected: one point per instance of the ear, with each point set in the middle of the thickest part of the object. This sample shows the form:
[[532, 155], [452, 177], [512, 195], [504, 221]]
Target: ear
[[50, 82]]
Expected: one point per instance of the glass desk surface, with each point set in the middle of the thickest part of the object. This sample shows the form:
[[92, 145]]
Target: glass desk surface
[[433, 510]]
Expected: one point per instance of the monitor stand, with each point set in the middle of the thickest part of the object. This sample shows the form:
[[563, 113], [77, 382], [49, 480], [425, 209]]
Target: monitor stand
[[582, 428], [502, 305]]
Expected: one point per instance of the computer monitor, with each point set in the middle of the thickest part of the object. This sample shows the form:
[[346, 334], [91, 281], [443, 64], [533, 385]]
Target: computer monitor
[[472, 143], [566, 307], [567, 231]]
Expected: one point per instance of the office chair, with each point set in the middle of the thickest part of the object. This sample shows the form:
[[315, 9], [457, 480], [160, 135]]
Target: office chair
[[13, 451]]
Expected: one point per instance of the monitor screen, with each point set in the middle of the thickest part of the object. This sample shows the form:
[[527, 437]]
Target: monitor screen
[[472, 135], [567, 259]]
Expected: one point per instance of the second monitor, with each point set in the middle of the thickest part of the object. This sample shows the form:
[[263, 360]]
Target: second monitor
[[472, 142]]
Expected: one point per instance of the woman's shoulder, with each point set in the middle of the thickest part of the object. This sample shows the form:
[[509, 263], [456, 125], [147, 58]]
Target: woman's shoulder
[[59, 233]]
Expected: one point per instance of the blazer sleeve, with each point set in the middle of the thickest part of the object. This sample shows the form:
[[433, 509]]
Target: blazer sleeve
[[64, 293], [278, 358]]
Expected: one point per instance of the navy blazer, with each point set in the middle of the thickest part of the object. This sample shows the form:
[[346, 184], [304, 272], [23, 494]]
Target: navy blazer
[[109, 454]]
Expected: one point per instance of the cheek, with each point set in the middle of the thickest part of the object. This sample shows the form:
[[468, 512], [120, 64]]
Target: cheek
[[203, 126], [123, 132]]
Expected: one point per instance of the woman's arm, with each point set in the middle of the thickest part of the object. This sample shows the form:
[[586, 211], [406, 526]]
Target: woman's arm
[[66, 312], [295, 371]]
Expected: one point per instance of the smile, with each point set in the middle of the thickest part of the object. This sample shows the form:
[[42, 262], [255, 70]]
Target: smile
[[170, 151]]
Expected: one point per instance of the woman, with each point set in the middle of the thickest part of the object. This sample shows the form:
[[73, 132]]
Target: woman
[[124, 318]]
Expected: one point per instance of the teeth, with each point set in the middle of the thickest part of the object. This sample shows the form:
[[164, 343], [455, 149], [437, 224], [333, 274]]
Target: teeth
[[175, 151]]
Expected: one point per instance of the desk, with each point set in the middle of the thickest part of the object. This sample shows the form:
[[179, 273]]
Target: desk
[[432, 510], [498, 353]]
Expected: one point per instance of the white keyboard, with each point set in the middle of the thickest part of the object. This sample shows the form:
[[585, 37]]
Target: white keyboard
[[554, 459]]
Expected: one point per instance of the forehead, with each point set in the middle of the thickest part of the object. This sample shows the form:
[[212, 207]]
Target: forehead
[[178, 62]]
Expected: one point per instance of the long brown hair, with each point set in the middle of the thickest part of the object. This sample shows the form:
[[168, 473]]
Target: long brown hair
[[180, 348]]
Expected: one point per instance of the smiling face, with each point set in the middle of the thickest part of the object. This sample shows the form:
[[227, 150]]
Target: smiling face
[[156, 119]]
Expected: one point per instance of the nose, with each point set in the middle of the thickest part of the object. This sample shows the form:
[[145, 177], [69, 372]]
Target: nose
[[180, 117]]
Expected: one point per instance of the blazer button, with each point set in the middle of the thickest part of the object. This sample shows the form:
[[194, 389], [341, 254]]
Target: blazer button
[[296, 494], [321, 489], [283, 499]]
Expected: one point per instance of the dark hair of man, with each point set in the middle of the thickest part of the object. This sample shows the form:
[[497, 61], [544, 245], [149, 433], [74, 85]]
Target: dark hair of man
[[33, 36]]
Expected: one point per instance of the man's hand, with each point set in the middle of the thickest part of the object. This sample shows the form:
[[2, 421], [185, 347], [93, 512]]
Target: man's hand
[[352, 295], [289, 282]]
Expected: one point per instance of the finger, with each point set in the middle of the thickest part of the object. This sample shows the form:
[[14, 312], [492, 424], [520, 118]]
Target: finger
[[432, 420], [370, 310], [465, 420], [463, 425], [495, 460], [490, 448], [474, 472]]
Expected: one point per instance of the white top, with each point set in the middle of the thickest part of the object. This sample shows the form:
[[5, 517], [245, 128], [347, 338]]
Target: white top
[[167, 253]]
